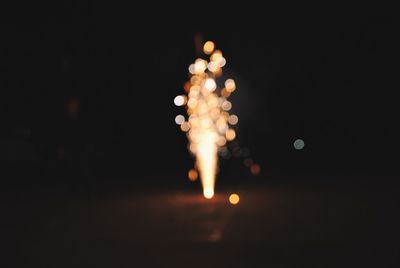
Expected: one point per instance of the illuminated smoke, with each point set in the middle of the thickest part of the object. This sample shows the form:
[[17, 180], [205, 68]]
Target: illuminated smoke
[[208, 123]]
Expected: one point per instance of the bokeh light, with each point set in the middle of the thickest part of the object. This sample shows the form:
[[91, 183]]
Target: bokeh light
[[255, 169], [179, 119], [185, 126], [230, 85], [208, 47], [234, 199], [193, 175], [230, 134], [180, 100], [299, 144], [233, 119]]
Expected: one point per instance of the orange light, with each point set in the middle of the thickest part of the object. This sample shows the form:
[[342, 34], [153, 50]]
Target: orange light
[[185, 126], [255, 169], [193, 175], [234, 199], [207, 108], [230, 85], [230, 134], [208, 47]]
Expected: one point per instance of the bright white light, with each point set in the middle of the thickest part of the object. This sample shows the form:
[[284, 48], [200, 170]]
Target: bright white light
[[210, 84], [179, 119], [179, 100]]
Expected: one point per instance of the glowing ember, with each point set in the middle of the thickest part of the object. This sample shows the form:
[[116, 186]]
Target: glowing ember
[[208, 126], [234, 199]]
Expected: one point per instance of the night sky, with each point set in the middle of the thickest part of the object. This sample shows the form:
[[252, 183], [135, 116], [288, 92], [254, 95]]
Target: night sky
[[330, 81]]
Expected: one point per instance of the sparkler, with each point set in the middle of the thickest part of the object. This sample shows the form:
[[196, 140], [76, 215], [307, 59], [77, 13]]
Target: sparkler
[[208, 125]]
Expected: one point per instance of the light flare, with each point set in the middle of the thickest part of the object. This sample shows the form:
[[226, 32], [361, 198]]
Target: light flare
[[208, 128]]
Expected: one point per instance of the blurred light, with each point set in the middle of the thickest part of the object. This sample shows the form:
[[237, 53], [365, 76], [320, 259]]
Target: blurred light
[[187, 86], [226, 105], [213, 66], [208, 193], [208, 117], [221, 62], [192, 174], [230, 134], [221, 141], [234, 199], [185, 126], [208, 47], [210, 84], [200, 66], [233, 119], [179, 100], [192, 69], [192, 103], [225, 93], [230, 85], [194, 80], [216, 56], [179, 119], [255, 169], [298, 144]]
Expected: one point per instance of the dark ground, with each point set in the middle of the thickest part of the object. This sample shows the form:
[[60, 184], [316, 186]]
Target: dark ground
[[274, 225]]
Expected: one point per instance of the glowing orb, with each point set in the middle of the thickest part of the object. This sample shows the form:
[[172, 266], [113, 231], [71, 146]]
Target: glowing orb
[[234, 199]]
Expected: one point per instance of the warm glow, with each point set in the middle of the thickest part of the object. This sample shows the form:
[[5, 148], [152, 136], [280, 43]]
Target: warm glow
[[233, 119], [208, 193], [179, 119], [234, 199], [255, 169], [210, 84], [180, 100], [230, 134], [208, 47], [192, 175], [213, 66], [226, 105], [208, 116], [185, 126], [200, 66], [230, 85]]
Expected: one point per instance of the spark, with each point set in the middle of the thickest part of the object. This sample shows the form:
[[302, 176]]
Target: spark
[[234, 199], [209, 125]]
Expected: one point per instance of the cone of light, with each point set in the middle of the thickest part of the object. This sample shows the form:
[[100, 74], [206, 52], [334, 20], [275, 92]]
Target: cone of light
[[208, 120]]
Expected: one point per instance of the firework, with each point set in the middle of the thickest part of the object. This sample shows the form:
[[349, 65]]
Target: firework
[[208, 124]]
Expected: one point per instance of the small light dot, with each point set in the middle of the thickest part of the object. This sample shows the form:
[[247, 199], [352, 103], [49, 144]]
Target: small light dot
[[179, 100], [208, 47], [255, 169], [226, 105], [230, 85], [298, 144], [192, 174], [185, 126], [234, 199], [230, 134], [233, 119], [179, 119], [210, 84]]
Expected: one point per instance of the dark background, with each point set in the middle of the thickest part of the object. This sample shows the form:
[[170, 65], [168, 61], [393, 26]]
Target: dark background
[[93, 167], [330, 81]]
